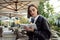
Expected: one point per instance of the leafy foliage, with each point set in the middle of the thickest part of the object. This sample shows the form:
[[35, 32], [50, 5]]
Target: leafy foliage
[[23, 20]]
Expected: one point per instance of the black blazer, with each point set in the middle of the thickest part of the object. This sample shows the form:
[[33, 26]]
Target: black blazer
[[42, 32]]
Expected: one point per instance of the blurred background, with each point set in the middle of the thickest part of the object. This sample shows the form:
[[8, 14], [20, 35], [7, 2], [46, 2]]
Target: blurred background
[[14, 12]]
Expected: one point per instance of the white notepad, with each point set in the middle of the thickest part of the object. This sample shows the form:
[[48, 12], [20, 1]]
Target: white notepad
[[28, 25]]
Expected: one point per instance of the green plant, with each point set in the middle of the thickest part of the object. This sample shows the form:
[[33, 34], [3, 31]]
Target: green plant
[[23, 20], [56, 28]]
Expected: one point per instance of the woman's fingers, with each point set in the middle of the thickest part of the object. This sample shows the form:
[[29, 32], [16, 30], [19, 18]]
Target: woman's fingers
[[28, 28]]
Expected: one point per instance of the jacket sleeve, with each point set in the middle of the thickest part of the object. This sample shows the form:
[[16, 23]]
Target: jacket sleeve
[[44, 32]]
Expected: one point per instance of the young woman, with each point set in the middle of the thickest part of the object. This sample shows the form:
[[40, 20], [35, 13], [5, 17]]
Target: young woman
[[42, 32]]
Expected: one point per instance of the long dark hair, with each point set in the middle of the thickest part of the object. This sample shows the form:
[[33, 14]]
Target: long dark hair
[[29, 15]]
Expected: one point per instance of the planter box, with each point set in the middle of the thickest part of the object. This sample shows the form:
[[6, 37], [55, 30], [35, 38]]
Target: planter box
[[8, 36]]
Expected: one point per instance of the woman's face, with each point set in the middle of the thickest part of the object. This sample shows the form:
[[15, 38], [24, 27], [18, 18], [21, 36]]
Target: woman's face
[[33, 11]]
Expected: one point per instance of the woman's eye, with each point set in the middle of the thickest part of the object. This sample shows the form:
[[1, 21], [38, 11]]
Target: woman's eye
[[33, 9]]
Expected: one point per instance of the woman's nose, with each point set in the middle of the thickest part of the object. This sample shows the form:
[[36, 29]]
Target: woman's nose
[[32, 12]]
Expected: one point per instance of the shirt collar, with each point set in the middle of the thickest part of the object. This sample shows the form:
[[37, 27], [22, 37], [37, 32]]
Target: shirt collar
[[36, 18]]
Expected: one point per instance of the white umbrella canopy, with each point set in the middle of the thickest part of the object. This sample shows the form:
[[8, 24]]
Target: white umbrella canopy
[[9, 7], [12, 8], [16, 5]]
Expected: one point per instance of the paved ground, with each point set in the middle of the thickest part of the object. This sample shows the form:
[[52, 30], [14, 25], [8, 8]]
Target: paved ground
[[59, 38]]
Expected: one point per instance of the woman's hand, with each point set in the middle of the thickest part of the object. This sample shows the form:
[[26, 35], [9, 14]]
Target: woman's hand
[[29, 29]]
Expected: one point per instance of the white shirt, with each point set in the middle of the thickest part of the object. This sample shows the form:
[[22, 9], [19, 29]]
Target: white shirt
[[36, 18]]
